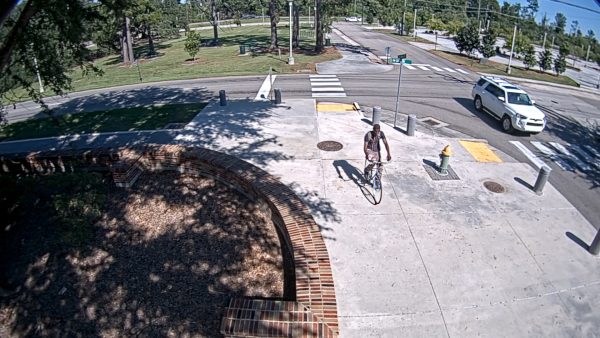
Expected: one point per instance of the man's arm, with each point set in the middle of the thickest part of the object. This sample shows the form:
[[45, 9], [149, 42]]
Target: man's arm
[[387, 149], [365, 150]]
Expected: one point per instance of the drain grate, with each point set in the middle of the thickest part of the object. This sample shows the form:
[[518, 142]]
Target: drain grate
[[433, 122], [329, 146], [494, 187]]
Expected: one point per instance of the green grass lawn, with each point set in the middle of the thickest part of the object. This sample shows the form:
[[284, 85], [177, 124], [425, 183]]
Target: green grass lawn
[[173, 63], [127, 119], [406, 38], [500, 69]]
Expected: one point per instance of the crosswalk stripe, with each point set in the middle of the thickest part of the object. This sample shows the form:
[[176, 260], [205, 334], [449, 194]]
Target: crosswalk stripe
[[322, 76], [328, 89], [326, 84], [410, 67], [437, 69], [553, 156], [572, 157], [329, 95], [329, 79], [536, 160], [584, 154], [423, 67], [450, 70], [593, 151], [462, 71]]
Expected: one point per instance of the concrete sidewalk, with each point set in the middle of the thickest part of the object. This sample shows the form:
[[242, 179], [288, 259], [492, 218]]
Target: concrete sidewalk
[[435, 258], [443, 258]]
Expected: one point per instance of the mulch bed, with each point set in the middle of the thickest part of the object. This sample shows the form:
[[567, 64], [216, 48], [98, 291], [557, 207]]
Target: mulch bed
[[163, 260]]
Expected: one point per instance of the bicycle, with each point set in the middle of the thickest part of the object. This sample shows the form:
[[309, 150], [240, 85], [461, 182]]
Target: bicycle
[[373, 180]]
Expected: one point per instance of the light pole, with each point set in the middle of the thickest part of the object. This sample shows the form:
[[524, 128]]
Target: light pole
[[511, 49], [291, 58]]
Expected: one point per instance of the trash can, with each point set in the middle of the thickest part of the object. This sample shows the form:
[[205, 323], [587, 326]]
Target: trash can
[[242, 49]]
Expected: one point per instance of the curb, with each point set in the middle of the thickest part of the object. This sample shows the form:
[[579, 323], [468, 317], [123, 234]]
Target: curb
[[551, 84]]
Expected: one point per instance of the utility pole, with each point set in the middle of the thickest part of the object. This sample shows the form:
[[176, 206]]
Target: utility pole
[[37, 72], [415, 24], [403, 17], [544, 44], [587, 56], [291, 58], [512, 48], [478, 12]]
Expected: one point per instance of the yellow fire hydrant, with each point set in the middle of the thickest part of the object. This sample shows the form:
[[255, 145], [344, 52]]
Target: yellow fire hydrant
[[445, 157]]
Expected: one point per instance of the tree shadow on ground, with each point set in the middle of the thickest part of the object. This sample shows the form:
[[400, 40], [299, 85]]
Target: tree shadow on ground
[[162, 260]]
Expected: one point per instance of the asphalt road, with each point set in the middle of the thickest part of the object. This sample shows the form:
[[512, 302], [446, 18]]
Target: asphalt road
[[443, 95]]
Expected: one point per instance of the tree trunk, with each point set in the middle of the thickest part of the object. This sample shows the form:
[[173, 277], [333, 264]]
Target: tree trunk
[[296, 28], [213, 14], [274, 14], [126, 43], [319, 25], [151, 49]]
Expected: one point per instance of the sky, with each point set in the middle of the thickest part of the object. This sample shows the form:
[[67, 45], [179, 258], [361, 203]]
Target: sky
[[587, 19]]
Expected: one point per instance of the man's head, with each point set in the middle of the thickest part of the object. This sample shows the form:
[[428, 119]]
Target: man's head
[[376, 128]]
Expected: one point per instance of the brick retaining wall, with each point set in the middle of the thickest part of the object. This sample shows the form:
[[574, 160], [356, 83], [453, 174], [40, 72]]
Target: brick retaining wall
[[310, 309]]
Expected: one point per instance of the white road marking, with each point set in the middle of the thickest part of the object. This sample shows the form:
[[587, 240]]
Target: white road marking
[[410, 67], [437, 69], [265, 88], [325, 84], [572, 157], [329, 95], [423, 67], [553, 156], [328, 79], [462, 71], [321, 76], [585, 155], [534, 159], [593, 151], [450, 70], [328, 89]]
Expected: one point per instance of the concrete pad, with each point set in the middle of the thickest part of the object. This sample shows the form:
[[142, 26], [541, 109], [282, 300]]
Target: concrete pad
[[428, 324]]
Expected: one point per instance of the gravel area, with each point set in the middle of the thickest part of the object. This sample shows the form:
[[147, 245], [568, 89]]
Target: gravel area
[[163, 260]]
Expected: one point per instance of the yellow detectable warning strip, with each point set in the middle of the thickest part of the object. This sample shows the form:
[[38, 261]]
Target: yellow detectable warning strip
[[335, 107], [481, 151]]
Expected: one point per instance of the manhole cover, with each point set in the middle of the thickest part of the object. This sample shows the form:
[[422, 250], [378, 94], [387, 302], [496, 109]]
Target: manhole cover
[[494, 187], [329, 146]]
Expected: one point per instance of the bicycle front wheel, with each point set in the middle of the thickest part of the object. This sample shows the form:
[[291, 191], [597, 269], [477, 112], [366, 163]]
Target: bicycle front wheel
[[377, 188]]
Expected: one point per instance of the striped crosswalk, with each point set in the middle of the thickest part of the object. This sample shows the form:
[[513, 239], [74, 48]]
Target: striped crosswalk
[[326, 86], [429, 68], [568, 157]]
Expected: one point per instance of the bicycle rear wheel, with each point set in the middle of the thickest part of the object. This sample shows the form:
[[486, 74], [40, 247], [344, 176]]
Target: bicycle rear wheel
[[377, 188]]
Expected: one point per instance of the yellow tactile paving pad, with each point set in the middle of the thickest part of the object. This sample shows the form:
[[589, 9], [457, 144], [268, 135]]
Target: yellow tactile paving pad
[[481, 151], [335, 107]]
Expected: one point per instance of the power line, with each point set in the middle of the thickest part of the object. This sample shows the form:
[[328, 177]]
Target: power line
[[574, 5]]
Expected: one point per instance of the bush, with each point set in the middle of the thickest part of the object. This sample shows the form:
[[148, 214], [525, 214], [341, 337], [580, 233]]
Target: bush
[[192, 44]]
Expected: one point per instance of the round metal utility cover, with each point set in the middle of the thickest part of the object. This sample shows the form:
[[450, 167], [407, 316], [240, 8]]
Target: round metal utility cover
[[329, 146], [494, 187]]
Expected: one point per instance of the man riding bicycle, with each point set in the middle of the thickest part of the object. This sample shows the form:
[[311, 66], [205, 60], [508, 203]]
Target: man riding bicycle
[[372, 148]]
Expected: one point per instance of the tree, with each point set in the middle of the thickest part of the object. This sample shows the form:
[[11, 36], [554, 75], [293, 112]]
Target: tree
[[560, 64], [545, 60], [487, 45], [574, 27], [454, 26], [560, 22], [192, 44], [467, 39], [436, 24], [274, 15], [529, 56], [319, 25]]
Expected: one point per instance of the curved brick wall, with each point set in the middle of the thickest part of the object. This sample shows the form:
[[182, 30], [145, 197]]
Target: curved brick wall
[[310, 308]]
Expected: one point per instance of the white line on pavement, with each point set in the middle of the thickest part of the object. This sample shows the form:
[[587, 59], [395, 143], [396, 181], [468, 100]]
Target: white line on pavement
[[462, 71], [437, 69], [328, 95], [265, 88], [322, 76], [423, 67], [326, 84], [450, 70], [328, 89], [572, 157], [585, 155], [328, 79], [410, 67], [536, 160], [593, 151], [553, 156]]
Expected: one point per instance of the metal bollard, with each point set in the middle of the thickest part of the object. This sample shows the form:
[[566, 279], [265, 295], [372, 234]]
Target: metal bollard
[[277, 95], [222, 97], [376, 115], [445, 160], [410, 125], [542, 179], [595, 246]]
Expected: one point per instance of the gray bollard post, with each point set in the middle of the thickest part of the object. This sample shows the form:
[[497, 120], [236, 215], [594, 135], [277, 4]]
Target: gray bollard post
[[222, 97], [541, 179], [277, 95], [410, 126], [376, 115], [595, 246]]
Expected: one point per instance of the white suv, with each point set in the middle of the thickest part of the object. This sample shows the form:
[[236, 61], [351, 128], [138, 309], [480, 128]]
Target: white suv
[[509, 103]]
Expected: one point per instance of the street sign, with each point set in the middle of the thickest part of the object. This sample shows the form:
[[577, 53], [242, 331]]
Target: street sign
[[402, 56], [387, 50], [407, 61]]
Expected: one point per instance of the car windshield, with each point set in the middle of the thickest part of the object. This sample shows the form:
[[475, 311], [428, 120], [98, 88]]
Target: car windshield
[[519, 98]]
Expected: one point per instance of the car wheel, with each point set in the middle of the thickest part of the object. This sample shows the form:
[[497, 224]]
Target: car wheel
[[478, 103], [507, 124]]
